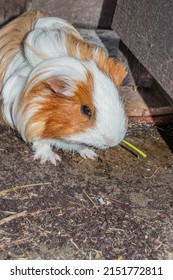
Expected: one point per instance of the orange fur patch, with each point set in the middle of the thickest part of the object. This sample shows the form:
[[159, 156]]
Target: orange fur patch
[[72, 43], [12, 36], [59, 116], [114, 69]]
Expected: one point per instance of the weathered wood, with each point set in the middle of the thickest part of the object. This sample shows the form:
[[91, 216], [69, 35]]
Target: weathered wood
[[149, 106], [146, 28], [81, 13], [10, 9]]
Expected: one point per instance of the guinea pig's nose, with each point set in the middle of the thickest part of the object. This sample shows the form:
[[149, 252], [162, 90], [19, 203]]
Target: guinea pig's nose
[[110, 142]]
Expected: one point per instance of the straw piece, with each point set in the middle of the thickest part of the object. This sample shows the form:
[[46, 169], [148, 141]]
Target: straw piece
[[12, 217], [21, 187]]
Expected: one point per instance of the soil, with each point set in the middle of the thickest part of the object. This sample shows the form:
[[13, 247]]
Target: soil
[[119, 206]]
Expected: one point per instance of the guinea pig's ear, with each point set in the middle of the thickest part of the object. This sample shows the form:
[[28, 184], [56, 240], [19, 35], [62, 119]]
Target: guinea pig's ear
[[59, 86]]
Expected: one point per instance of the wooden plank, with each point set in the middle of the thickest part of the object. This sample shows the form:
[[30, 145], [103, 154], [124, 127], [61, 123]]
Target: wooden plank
[[150, 105], [83, 14], [146, 28], [143, 105], [10, 9], [147, 105]]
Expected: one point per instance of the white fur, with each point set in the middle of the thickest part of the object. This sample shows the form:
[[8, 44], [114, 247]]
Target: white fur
[[44, 152], [14, 82], [45, 55], [48, 39], [111, 122], [68, 69], [55, 23], [42, 44], [34, 106]]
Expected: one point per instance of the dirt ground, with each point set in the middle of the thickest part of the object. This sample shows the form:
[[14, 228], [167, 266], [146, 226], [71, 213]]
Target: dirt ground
[[118, 206]]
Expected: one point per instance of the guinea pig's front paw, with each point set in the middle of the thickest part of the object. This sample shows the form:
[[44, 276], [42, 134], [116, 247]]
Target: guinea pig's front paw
[[44, 153], [87, 153], [52, 157]]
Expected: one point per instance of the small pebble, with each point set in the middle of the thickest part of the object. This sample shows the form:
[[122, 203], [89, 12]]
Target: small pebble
[[102, 202]]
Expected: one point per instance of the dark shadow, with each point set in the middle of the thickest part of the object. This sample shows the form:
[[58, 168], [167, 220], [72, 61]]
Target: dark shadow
[[110, 40], [166, 132], [15, 8], [150, 95], [107, 14], [8, 20], [149, 91]]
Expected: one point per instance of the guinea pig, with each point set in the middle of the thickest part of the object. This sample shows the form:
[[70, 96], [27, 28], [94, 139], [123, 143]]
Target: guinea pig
[[58, 90]]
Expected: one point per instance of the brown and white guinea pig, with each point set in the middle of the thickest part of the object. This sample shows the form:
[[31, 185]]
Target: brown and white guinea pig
[[58, 90]]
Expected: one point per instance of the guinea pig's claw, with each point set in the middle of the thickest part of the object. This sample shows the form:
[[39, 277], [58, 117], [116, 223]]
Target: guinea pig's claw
[[87, 153], [52, 157]]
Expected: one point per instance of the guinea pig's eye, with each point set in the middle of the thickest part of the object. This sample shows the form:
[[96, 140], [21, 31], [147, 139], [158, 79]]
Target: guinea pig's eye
[[86, 111]]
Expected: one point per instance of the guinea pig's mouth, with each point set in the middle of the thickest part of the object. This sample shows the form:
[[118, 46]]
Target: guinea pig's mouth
[[75, 142]]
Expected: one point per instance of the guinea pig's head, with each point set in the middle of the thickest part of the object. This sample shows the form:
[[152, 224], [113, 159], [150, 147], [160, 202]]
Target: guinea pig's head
[[74, 101]]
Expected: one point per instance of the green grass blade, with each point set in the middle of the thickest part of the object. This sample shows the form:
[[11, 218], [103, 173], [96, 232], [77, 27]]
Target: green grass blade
[[134, 148]]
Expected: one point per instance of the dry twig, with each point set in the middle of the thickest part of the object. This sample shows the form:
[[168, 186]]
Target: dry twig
[[21, 187], [75, 245], [154, 173], [12, 217], [90, 199]]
